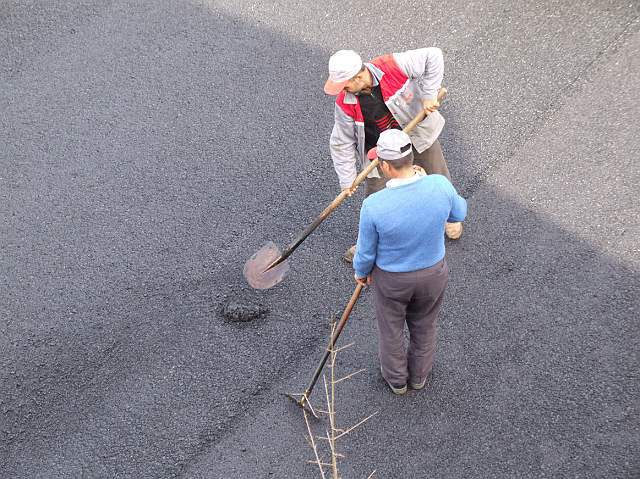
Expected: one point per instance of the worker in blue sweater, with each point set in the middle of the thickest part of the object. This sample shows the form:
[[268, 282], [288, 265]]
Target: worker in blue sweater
[[400, 251]]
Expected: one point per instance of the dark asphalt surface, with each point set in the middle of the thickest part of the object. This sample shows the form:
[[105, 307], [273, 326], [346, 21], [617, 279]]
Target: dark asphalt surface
[[149, 148]]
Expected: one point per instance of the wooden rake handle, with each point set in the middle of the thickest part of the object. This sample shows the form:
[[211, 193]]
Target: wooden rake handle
[[336, 334]]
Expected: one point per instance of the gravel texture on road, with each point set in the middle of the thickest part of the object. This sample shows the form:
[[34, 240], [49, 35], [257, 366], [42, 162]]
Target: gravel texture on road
[[149, 148]]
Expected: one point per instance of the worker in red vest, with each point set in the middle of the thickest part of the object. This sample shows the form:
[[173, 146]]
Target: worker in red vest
[[386, 93]]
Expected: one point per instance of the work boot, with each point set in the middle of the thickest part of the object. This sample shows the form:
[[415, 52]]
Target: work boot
[[349, 254], [453, 230]]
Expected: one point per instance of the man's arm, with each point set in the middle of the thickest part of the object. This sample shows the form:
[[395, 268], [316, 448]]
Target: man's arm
[[458, 203], [426, 65], [343, 148], [367, 244], [458, 208]]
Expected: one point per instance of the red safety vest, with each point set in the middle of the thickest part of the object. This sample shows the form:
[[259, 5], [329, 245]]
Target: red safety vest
[[392, 80]]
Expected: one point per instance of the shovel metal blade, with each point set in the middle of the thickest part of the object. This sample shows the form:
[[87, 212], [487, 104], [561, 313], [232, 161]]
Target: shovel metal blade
[[254, 269]]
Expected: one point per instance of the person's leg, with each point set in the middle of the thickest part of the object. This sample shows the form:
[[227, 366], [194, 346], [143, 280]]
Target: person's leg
[[391, 298], [422, 318], [432, 160]]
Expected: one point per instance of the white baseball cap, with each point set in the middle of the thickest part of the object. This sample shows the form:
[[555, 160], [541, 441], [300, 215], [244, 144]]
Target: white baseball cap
[[343, 66], [393, 145]]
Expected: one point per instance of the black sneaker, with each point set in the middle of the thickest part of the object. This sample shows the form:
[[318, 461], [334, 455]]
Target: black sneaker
[[399, 390], [419, 386]]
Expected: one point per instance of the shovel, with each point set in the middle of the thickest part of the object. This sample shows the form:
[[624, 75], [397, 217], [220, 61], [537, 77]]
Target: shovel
[[268, 266]]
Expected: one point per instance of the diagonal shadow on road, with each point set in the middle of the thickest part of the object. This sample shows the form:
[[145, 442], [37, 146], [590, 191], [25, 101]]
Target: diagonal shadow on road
[[147, 156]]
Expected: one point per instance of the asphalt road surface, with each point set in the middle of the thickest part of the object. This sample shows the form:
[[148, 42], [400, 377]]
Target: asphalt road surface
[[148, 148]]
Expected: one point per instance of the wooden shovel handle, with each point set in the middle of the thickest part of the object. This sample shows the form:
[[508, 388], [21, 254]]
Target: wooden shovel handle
[[422, 115], [344, 193], [364, 173]]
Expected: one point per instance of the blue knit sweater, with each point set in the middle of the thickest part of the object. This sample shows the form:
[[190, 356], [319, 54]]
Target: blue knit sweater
[[402, 227]]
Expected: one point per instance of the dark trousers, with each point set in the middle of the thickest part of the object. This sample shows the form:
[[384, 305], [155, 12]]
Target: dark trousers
[[431, 159], [413, 298]]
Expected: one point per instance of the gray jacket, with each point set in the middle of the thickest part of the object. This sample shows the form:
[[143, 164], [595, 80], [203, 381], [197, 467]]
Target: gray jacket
[[424, 69]]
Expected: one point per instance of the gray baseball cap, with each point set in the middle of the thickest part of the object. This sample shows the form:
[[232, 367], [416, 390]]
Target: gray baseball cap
[[393, 145]]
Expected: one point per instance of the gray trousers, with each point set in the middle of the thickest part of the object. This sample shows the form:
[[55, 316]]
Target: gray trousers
[[413, 298], [431, 159]]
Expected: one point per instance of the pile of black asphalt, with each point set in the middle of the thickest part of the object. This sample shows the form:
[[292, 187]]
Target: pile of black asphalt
[[149, 148]]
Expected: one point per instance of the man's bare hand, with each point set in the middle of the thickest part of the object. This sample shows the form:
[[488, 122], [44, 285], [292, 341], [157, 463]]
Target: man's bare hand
[[363, 281], [430, 106], [419, 170], [351, 190]]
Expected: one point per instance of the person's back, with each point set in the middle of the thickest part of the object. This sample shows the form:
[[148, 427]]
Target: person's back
[[407, 221], [400, 251]]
